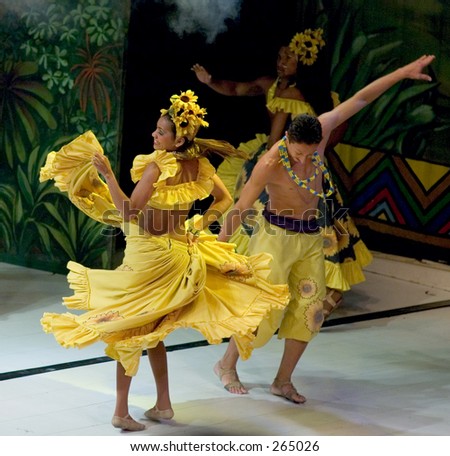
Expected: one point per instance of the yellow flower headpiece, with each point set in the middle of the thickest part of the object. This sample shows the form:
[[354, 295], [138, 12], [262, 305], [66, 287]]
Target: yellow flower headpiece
[[306, 45], [186, 114]]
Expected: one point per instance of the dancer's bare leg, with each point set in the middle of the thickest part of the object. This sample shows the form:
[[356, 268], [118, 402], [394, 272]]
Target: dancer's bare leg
[[123, 383], [158, 362], [282, 385], [122, 418], [225, 369]]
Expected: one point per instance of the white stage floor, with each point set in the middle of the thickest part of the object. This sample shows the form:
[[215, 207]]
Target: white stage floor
[[380, 367]]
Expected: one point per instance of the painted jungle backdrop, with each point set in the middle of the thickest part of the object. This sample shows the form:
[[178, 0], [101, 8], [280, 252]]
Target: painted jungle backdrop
[[61, 72], [110, 65]]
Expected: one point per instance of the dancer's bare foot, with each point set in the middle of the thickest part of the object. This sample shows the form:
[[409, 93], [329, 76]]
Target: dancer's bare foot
[[156, 414], [127, 423], [288, 391], [229, 379], [332, 301]]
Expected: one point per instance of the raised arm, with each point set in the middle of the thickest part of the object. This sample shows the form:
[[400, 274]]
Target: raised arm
[[277, 127], [232, 88], [414, 70], [128, 206]]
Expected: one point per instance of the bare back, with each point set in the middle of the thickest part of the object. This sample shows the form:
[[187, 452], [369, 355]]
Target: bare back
[[171, 221]]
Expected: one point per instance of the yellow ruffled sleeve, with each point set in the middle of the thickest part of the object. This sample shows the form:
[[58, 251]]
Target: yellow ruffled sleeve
[[180, 195], [165, 161], [184, 194], [289, 105], [296, 107], [72, 170]]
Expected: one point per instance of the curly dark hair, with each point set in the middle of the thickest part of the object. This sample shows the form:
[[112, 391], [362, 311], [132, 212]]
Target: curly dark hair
[[305, 129]]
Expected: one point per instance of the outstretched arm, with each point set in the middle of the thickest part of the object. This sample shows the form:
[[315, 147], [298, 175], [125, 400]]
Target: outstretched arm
[[414, 70], [232, 88], [277, 127]]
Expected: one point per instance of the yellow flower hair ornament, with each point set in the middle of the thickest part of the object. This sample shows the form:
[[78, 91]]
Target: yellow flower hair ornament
[[306, 45], [186, 114]]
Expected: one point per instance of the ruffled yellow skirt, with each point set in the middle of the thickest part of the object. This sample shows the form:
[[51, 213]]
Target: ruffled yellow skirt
[[162, 284]]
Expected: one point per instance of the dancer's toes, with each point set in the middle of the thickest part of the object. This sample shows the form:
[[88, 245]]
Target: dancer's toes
[[127, 423], [229, 379], [288, 391]]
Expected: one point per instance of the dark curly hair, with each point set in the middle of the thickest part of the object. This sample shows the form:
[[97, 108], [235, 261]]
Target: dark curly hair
[[305, 129]]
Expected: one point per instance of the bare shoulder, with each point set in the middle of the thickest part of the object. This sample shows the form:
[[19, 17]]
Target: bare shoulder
[[291, 92], [265, 82], [268, 164]]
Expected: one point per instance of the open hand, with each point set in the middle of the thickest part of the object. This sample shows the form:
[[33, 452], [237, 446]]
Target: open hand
[[414, 70], [102, 164], [201, 73]]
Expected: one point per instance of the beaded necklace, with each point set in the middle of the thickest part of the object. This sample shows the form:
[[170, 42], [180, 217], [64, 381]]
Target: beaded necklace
[[303, 183]]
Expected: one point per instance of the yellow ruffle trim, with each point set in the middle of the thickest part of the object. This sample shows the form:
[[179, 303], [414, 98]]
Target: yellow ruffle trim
[[165, 161], [78, 281], [334, 276], [179, 195], [342, 276], [72, 170], [62, 165], [252, 146], [290, 106], [229, 171], [228, 276], [295, 107], [242, 328], [67, 331]]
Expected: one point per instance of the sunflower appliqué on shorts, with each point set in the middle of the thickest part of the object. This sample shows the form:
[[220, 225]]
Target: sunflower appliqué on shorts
[[308, 289], [314, 316]]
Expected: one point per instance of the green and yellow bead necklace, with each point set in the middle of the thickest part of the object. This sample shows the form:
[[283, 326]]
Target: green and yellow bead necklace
[[304, 183]]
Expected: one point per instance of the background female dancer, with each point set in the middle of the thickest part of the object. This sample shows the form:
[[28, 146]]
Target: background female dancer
[[301, 86]]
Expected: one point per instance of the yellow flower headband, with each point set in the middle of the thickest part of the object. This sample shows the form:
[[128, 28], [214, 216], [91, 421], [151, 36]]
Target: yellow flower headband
[[186, 114], [306, 45]]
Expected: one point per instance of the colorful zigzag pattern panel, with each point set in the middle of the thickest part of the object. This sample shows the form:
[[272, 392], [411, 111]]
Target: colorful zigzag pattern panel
[[393, 194]]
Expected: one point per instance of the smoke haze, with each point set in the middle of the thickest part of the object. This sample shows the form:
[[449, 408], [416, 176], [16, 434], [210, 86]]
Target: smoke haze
[[202, 16]]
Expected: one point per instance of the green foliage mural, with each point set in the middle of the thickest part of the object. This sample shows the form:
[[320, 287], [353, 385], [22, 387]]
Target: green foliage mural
[[406, 118], [60, 75], [403, 192]]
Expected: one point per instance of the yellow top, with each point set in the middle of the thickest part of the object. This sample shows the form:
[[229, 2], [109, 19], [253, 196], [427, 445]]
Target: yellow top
[[72, 170], [291, 105], [179, 194]]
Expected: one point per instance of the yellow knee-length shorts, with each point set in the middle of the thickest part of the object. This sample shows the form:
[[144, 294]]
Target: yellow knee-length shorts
[[298, 260]]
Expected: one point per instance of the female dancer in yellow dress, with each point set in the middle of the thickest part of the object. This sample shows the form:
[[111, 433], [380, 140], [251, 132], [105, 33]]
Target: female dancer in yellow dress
[[301, 86], [173, 274]]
